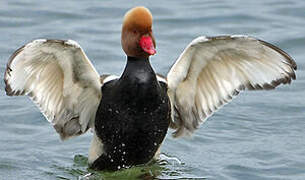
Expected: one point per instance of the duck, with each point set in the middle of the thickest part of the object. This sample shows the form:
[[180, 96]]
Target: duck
[[129, 115]]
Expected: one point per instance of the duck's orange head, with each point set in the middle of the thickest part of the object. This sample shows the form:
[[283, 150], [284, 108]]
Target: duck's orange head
[[137, 37]]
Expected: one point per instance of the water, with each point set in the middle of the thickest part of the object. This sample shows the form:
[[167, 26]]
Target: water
[[260, 135]]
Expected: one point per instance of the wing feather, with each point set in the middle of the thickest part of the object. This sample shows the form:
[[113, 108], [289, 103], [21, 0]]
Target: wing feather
[[60, 79], [212, 70]]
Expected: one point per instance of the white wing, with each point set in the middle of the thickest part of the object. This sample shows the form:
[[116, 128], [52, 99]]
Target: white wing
[[212, 70], [60, 79]]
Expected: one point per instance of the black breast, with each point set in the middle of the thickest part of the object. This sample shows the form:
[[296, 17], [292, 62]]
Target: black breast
[[132, 118]]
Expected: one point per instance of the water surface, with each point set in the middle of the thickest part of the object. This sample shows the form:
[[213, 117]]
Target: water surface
[[260, 135]]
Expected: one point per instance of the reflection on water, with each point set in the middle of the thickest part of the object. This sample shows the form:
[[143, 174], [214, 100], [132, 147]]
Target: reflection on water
[[165, 168]]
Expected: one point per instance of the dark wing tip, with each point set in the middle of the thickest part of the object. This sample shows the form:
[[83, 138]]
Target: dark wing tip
[[8, 89], [290, 60]]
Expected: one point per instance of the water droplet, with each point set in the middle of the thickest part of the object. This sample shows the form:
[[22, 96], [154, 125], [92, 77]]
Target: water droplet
[[110, 110], [111, 160], [124, 152], [119, 167], [123, 145], [155, 144], [117, 111]]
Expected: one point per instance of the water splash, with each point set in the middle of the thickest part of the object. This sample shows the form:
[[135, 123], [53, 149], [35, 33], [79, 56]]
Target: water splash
[[167, 167]]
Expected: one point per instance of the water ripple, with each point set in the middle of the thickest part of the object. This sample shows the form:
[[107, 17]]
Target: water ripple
[[260, 135]]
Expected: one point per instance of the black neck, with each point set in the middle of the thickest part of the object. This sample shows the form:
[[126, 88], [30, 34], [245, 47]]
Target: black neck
[[137, 67], [130, 58]]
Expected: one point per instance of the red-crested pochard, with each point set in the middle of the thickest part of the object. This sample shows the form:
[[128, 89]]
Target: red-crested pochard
[[130, 115]]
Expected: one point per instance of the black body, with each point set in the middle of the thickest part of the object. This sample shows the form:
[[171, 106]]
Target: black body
[[132, 118]]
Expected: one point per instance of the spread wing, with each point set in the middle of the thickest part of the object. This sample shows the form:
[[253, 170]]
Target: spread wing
[[212, 70], [60, 79]]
